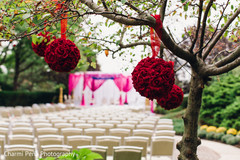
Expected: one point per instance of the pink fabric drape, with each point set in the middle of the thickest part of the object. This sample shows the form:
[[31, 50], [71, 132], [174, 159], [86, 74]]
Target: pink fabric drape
[[127, 86], [152, 105], [73, 81], [119, 83], [94, 81], [124, 84]]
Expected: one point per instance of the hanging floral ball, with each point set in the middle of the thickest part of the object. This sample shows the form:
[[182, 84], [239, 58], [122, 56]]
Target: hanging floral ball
[[173, 99], [153, 77], [62, 55], [40, 47]]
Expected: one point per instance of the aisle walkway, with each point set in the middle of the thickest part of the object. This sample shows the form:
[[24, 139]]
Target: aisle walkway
[[210, 150]]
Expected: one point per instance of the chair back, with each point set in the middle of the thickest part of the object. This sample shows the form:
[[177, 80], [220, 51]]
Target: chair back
[[108, 141], [162, 146], [102, 150], [19, 152], [76, 141], [127, 153], [21, 139], [139, 142]]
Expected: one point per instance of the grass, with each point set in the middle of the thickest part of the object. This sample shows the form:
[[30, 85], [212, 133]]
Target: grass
[[177, 120]]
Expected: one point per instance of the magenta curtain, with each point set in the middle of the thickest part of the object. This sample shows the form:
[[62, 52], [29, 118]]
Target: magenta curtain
[[127, 86], [119, 83], [152, 105], [94, 81], [73, 81]]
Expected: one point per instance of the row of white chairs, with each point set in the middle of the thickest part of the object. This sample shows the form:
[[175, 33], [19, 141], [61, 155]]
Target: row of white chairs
[[160, 145]]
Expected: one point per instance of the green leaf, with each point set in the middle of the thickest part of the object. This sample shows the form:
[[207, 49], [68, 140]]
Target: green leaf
[[186, 6], [83, 152], [225, 34], [123, 1], [94, 155], [34, 39], [211, 29], [214, 6]]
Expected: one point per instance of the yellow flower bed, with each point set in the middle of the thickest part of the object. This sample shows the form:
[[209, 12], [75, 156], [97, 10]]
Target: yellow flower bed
[[232, 131], [211, 129], [221, 130], [203, 127]]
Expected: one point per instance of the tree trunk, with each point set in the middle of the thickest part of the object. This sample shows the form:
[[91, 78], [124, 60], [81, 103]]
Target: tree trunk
[[16, 73], [190, 141]]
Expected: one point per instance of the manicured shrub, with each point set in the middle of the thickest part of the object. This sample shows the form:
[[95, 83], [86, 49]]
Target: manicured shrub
[[220, 107], [232, 140], [232, 131], [202, 133], [221, 130], [25, 98], [237, 125], [218, 136], [211, 129], [204, 127], [210, 135], [225, 137]]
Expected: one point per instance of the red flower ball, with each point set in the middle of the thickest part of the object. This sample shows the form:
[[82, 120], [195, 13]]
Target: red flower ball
[[153, 77], [62, 55], [173, 99], [40, 48]]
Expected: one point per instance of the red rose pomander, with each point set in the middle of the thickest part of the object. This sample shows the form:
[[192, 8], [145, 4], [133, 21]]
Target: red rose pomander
[[62, 55], [153, 77], [40, 48], [173, 99]]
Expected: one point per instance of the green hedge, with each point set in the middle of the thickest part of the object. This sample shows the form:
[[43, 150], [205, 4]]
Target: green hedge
[[25, 98], [221, 103]]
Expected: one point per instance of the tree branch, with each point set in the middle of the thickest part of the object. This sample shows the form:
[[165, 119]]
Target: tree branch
[[204, 25], [134, 8], [104, 4], [217, 37], [175, 49], [25, 68], [144, 18], [198, 25], [229, 58], [163, 3], [213, 70]]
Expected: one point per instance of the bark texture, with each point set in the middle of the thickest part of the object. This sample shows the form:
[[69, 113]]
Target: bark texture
[[190, 141]]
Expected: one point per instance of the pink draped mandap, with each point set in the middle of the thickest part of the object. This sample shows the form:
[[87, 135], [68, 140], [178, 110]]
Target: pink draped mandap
[[99, 88]]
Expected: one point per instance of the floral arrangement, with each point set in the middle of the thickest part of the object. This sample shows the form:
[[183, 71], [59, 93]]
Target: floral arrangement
[[173, 99], [153, 77], [40, 43], [62, 55]]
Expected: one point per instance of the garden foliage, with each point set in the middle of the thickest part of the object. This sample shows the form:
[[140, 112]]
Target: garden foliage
[[221, 103]]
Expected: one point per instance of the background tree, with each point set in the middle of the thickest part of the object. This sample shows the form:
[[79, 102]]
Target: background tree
[[224, 20]]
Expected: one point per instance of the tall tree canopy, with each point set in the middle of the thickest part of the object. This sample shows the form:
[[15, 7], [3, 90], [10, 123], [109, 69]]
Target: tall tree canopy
[[222, 17]]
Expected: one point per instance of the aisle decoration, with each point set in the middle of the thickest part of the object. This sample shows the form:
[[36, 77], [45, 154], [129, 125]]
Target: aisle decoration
[[40, 42], [154, 78], [62, 55], [173, 99]]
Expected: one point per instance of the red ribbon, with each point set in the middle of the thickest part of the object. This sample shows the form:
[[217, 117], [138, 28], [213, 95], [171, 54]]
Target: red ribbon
[[64, 19], [156, 36], [155, 43], [64, 26]]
